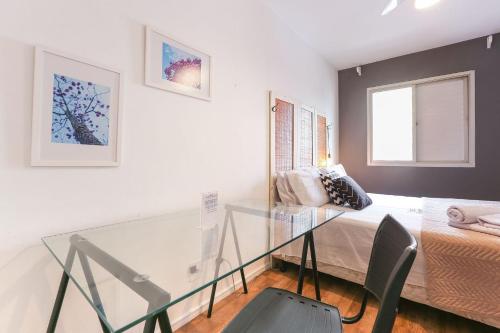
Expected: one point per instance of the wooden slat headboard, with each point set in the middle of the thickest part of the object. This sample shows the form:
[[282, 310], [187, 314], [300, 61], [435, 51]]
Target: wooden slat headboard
[[282, 139], [321, 140], [297, 138]]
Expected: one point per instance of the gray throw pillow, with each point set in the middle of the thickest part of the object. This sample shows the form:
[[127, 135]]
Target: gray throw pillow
[[352, 193]]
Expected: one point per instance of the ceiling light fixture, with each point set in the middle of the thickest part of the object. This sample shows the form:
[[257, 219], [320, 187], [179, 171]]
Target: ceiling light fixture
[[489, 41], [422, 4], [390, 7], [419, 4]]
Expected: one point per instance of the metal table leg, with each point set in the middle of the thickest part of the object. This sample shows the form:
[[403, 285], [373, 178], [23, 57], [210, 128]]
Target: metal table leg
[[314, 267], [308, 243], [302, 268], [147, 290], [56, 310], [229, 218], [61, 292], [87, 271], [150, 325], [165, 326]]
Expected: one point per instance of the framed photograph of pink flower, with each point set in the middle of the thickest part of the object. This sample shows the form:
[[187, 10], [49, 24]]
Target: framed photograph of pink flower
[[175, 67]]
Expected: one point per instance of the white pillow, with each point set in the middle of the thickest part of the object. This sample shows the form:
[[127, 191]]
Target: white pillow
[[307, 186], [338, 169], [285, 191]]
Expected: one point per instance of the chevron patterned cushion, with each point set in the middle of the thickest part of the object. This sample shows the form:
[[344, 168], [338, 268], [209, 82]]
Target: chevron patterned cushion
[[335, 197], [352, 193]]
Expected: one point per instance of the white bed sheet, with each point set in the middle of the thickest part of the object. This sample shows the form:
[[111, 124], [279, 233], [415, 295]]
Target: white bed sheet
[[347, 241]]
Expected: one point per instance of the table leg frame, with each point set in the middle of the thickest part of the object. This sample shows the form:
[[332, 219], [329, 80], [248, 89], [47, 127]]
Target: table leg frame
[[61, 292], [314, 267], [308, 244], [163, 321], [229, 218], [56, 310], [162, 317], [84, 251]]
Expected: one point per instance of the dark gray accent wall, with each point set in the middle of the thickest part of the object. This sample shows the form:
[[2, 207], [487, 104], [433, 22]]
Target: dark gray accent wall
[[481, 182]]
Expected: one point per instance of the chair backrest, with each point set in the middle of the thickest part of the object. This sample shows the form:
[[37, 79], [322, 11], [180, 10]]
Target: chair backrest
[[393, 253]]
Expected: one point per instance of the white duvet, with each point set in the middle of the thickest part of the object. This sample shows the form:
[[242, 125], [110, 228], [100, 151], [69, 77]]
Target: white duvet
[[347, 241]]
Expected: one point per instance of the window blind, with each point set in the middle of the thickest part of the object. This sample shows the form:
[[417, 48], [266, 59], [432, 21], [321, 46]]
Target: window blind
[[442, 129]]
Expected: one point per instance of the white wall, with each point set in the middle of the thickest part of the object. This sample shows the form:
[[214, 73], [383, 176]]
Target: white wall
[[174, 147]]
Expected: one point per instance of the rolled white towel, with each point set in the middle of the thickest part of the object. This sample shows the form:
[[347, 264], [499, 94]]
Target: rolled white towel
[[490, 221], [469, 214], [476, 227]]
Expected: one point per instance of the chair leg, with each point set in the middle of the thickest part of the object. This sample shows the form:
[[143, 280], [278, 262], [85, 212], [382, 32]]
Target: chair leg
[[359, 315]]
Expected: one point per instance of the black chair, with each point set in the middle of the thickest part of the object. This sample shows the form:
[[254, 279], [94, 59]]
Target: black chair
[[279, 311]]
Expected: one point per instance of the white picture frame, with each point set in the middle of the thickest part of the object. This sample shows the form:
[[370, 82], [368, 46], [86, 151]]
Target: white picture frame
[[175, 67], [71, 92]]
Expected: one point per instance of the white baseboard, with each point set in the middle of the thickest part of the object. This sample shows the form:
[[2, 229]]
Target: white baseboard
[[195, 311]]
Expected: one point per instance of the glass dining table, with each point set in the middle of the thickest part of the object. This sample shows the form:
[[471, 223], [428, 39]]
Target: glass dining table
[[132, 272]]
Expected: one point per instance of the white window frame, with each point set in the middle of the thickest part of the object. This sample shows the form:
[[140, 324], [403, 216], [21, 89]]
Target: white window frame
[[470, 160]]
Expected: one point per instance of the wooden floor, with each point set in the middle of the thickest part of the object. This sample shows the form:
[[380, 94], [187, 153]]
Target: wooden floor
[[413, 317]]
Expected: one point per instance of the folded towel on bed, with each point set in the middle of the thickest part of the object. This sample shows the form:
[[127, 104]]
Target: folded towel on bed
[[490, 221], [469, 214], [475, 227]]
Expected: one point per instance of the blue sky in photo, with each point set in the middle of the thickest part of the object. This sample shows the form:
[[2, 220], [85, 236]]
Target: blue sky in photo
[[86, 101], [172, 54]]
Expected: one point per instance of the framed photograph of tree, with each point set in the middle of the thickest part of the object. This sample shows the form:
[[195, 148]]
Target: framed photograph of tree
[[76, 112], [173, 66]]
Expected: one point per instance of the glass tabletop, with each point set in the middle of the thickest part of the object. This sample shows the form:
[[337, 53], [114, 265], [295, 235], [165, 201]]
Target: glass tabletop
[[150, 264]]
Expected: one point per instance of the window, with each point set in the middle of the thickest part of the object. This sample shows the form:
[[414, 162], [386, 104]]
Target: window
[[427, 122]]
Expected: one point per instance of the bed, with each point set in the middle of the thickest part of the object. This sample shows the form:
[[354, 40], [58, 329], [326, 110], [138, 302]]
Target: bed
[[343, 250]]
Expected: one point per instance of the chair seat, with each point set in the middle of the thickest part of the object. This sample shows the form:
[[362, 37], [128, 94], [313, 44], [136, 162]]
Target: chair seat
[[280, 311]]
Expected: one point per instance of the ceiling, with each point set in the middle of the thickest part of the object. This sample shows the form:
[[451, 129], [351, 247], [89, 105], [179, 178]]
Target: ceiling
[[352, 32]]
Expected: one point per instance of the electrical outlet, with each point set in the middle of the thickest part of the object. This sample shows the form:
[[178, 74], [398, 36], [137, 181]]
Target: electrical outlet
[[193, 269], [194, 272]]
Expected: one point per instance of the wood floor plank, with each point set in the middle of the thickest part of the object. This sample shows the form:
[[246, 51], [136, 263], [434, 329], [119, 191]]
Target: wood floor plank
[[347, 296]]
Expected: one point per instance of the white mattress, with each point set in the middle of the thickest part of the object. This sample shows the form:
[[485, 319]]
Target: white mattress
[[347, 240]]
